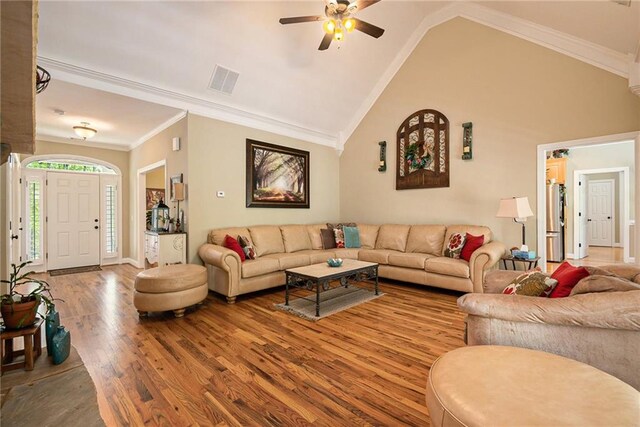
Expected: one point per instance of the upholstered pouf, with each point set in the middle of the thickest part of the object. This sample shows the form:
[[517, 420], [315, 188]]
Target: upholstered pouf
[[172, 287], [509, 386]]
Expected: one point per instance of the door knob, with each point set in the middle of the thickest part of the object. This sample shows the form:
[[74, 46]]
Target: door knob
[[14, 236], [589, 220], [96, 227], [95, 220], [608, 217]]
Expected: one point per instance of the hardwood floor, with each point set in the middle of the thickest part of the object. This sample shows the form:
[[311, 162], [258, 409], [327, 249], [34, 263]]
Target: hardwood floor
[[248, 364], [597, 256]]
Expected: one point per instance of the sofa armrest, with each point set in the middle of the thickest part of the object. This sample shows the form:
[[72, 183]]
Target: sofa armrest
[[219, 256], [609, 310], [484, 259]]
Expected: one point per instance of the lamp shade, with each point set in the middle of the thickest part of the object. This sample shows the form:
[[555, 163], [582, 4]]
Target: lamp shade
[[514, 207], [178, 191]]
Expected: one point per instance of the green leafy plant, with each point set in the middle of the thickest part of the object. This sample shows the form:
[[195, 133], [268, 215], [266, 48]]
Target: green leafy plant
[[19, 281]]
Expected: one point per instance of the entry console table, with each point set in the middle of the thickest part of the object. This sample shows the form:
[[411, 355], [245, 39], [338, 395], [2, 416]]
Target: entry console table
[[162, 248]]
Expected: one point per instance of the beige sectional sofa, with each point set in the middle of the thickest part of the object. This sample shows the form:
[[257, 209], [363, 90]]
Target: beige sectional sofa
[[410, 253]]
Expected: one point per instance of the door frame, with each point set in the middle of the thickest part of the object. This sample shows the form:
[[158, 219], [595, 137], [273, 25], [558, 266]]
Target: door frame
[[623, 172], [117, 259], [140, 202], [541, 203]]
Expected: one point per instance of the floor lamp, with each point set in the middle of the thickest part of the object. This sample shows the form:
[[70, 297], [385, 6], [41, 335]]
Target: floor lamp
[[517, 208]]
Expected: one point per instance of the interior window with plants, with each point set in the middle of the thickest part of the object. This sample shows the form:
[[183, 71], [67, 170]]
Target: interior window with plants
[[423, 151]]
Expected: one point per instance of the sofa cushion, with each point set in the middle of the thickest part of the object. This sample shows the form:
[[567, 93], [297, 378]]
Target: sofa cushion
[[447, 266], [368, 235], [339, 235], [409, 260], [314, 235], [476, 230], [287, 260], [567, 276], [328, 238], [216, 236], [381, 256], [267, 239], [455, 245], [393, 237], [351, 237], [318, 256], [295, 238], [426, 239], [471, 244], [231, 243], [531, 283], [350, 253], [258, 267], [600, 283]]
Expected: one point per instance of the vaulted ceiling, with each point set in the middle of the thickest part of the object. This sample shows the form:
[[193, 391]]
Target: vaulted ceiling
[[165, 53]]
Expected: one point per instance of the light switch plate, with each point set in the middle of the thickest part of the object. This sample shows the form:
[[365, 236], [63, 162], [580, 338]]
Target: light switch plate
[[220, 194]]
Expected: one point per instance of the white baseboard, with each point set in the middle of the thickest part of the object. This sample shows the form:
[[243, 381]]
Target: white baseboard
[[569, 256], [130, 261], [617, 245]]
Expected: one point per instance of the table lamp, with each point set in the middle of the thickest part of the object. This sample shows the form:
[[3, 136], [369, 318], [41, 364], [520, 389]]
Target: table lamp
[[178, 196], [517, 208]]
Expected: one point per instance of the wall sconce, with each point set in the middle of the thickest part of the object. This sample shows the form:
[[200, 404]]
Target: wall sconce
[[467, 134], [383, 156]]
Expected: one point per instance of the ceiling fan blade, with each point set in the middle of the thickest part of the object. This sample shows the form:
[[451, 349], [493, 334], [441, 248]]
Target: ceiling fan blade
[[363, 4], [299, 19], [369, 29], [326, 41]]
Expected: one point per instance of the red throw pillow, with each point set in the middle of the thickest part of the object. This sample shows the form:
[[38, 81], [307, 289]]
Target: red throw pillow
[[567, 276], [231, 243], [471, 244]]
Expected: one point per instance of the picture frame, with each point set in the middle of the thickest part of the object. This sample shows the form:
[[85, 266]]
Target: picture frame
[[153, 196], [276, 176], [173, 180]]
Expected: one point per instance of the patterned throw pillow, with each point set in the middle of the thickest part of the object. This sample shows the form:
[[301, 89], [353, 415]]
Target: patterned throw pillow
[[339, 234], [455, 245], [247, 247], [532, 283]]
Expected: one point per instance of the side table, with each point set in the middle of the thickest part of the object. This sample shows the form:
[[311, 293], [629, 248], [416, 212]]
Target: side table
[[531, 263], [32, 347]]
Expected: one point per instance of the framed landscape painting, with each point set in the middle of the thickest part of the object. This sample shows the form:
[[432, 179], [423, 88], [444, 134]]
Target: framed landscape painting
[[277, 177]]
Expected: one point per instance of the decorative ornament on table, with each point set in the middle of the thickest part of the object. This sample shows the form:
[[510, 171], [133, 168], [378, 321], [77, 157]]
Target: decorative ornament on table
[[467, 135]]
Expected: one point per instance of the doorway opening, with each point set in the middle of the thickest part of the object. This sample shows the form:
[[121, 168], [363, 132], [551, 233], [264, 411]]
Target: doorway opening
[[69, 212], [586, 194], [151, 186]]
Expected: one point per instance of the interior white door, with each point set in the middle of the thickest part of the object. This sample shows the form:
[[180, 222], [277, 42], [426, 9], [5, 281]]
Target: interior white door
[[73, 211], [601, 211], [583, 247]]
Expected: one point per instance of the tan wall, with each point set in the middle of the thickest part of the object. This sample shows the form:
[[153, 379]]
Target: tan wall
[[602, 156], [156, 179], [154, 150], [516, 93], [115, 157], [217, 162]]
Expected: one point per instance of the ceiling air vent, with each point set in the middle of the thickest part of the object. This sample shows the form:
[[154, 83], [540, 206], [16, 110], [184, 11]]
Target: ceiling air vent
[[223, 80]]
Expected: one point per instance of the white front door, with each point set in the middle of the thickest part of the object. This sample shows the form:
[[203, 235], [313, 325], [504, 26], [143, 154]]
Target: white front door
[[73, 233], [13, 208], [601, 211]]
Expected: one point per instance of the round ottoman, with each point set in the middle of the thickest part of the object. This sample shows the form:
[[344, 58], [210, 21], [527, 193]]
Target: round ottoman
[[509, 386], [172, 287]]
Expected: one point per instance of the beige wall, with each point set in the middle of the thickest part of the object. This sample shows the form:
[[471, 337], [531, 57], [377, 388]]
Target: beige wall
[[217, 162], [516, 93], [156, 149], [115, 157], [598, 157], [156, 179]]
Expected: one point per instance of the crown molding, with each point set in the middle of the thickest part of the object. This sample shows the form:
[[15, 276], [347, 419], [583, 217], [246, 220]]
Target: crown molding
[[173, 120], [591, 53], [114, 84], [82, 143]]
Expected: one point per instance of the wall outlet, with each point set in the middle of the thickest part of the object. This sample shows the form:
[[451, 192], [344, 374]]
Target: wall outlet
[[220, 194]]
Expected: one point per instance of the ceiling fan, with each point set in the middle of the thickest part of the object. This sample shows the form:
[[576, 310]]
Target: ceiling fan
[[339, 19]]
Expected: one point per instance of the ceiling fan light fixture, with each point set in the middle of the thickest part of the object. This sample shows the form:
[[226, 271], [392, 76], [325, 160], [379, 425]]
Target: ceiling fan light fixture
[[338, 34], [329, 26], [349, 24], [84, 131]]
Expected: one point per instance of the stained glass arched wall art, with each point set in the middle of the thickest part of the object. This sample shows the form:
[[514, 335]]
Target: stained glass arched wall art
[[423, 151]]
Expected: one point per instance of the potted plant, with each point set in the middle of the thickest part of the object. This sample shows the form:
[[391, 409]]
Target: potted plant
[[20, 305]]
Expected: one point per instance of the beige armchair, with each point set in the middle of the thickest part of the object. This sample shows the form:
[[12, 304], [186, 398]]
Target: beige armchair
[[600, 329]]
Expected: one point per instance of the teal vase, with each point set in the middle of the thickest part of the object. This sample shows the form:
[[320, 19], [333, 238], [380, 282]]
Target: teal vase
[[61, 345], [52, 321]]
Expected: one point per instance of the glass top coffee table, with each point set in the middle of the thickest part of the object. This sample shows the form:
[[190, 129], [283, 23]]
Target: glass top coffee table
[[320, 276]]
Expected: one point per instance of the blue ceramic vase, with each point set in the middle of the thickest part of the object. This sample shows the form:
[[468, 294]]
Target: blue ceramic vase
[[52, 321], [61, 345]]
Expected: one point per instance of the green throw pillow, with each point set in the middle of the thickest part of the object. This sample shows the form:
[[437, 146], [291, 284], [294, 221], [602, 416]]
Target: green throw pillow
[[351, 237]]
